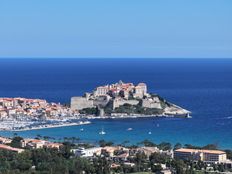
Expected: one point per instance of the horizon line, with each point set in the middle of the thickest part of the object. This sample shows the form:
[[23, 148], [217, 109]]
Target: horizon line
[[115, 57]]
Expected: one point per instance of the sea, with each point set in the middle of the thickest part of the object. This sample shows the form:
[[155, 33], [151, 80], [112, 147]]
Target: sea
[[202, 86]]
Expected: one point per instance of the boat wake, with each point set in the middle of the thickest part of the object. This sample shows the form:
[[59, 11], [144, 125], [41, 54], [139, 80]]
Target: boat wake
[[225, 118]]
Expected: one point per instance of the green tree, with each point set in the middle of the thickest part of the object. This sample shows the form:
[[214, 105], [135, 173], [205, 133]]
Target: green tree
[[103, 143], [165, 146], [229, 153], [179, 166], [140, 159], [159, 158], [147, 143], [156, 168], [16, 142], [177, 146]]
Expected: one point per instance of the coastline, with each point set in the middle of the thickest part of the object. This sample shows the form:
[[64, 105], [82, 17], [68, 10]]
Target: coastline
[[92, 117], [180, 113], [138, 116], [49, 126]]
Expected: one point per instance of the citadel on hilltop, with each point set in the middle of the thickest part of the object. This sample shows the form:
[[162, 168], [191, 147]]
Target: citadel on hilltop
[[122, 89], [124, 99]]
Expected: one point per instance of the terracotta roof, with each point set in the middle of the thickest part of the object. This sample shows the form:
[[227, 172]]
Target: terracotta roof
[[34, 141], [53, 145], [200, 150], [2, 146], [124, 155]]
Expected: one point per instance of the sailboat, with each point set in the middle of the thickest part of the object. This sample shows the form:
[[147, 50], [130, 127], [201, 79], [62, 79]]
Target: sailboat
[[102, 132]]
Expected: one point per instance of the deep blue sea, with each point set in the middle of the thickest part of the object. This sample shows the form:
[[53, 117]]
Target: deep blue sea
[[203, 86]]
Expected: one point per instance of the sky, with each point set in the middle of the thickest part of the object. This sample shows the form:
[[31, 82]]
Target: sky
[[116, 28]]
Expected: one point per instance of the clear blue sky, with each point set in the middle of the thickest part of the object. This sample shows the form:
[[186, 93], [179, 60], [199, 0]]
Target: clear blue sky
[[116, 28]]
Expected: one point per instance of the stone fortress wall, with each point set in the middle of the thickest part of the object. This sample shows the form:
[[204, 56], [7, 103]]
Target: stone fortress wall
[[119, 102], [151, 103], [79, 103]]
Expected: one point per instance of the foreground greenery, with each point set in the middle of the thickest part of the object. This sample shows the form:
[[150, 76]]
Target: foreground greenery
[[49, 161], [53, 161], [42, 161]]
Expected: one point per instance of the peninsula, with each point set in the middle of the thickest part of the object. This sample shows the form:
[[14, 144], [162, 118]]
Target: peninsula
[[119, 100], [122, 100]]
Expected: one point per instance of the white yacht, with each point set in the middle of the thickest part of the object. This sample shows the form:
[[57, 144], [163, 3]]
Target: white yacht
[[102, 132]]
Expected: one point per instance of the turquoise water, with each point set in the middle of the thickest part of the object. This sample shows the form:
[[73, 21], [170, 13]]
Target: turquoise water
[[201, 86]]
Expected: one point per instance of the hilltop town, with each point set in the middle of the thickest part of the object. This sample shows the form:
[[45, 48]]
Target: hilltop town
[[125, 100], [24, 114]]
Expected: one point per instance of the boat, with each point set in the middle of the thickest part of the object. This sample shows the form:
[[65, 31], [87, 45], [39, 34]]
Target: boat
[[149, 133], [129, 129], [102, 132], [81, 129]]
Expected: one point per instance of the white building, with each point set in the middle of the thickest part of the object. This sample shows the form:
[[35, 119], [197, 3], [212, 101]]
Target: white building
[[140, 90], [32, 143], [82, 152], [101, 90]]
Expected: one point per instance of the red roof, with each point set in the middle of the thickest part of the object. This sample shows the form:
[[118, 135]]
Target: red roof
[[2, 146]]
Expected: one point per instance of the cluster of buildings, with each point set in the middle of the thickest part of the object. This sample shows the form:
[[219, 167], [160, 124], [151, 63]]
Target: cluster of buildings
[[118, 155], [4, 140], [123, 155], [122, 89], [119, 94], [9, 148], [37, 143], [115, 152], [13, 107], [27, 144]]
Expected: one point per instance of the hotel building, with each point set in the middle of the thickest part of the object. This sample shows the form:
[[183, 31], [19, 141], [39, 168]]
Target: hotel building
[[207, 156]]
